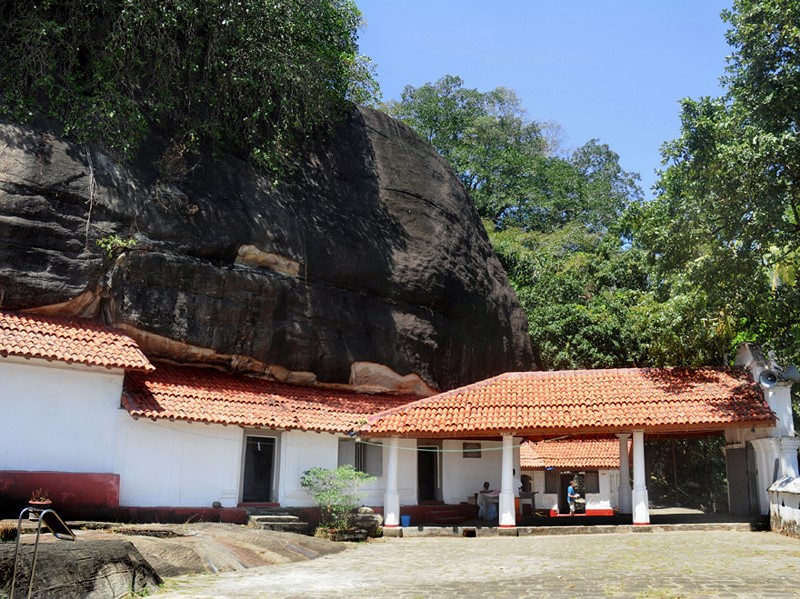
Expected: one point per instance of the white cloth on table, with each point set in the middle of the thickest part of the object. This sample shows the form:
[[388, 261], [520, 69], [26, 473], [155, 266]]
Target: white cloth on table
[[484, 499]]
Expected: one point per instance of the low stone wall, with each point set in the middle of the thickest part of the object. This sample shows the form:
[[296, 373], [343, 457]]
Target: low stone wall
[[784, 506]]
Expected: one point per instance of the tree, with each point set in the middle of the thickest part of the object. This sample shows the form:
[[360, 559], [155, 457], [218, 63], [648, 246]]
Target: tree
[[484, 136], [252, 77], [550, 218], [725, 229]]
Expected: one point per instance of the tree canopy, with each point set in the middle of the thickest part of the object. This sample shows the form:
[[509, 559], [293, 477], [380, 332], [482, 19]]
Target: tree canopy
[[724, 231], [609, 280], [552, 218], [248, 76]]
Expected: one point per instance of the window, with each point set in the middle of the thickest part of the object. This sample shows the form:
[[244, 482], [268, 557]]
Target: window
[[471, 450], [364, 456], [591, 481], [551, 481]]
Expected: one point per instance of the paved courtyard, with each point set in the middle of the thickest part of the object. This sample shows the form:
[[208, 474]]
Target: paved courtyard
[[658, 565]]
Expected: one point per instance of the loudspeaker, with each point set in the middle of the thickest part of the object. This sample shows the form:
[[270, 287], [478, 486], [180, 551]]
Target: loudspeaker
[[791, 373], [768, 379]]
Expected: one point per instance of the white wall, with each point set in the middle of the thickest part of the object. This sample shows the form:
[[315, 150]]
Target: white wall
[[303, 450], [463, 477], [74, 422], [57, 416], [784, 509], [178, 464]]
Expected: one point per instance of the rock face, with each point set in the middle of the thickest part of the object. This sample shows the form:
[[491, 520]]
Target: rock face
[[91, 569], [370, 258]]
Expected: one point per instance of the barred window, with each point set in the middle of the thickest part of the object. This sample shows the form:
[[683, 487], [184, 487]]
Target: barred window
[[551, 478], [364, 457], [591, 481]]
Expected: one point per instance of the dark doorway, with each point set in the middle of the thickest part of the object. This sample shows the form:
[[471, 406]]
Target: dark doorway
[[427, 472], [259, 458], [742, 490]]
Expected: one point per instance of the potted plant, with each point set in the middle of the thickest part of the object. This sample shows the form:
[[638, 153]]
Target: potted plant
[[39, 501]]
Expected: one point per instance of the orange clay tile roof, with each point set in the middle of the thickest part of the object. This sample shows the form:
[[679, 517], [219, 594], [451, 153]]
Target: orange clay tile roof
[[75, 341], [208, 395], [541, 404], [570, 453]]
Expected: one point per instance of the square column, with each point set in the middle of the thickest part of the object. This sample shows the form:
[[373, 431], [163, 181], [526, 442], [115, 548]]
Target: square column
[[641, 509], [391, 498], [506, 500], [776, 457], [624, 490]]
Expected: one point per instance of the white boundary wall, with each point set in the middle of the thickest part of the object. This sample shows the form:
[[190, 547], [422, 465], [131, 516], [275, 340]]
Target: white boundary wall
[[784, 509]]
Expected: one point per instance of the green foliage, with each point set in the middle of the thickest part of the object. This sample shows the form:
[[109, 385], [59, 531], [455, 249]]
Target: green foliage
[[687, 472], [724, 233], [578, 290], [552, 219], [484, 136], [336, 492], [111, 243], [249, 76]]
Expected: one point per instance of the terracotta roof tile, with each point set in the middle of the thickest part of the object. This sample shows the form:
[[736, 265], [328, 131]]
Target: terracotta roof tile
[[541, 404], [208, 395], [68, 340], [570, 453]]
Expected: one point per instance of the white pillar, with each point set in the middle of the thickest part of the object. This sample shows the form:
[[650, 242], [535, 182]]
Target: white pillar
[[788, 451], [641, 511], [391, 499], [508, 517], [624, 490]]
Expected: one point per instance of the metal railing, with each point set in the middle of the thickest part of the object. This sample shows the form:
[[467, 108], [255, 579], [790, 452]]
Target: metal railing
[[54, 524]]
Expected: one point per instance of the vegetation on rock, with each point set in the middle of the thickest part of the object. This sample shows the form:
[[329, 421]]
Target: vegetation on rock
[[254, 78]]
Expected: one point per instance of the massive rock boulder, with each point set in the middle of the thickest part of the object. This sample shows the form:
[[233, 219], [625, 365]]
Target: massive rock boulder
[[369, 265]]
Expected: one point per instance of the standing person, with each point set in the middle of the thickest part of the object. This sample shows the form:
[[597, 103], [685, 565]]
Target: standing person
[[571, 497]]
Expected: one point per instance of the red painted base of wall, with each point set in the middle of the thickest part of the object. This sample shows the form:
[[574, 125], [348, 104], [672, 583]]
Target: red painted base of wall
[[73, 493], [179, 515], [597, 512], [95, 496]]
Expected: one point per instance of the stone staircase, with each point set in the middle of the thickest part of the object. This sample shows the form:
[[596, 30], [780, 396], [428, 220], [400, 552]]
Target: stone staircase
[[276, 518], [444, 515]]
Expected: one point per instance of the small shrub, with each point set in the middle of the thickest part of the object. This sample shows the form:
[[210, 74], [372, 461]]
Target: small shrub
[[8, 531], [336, 492], [40, 495]]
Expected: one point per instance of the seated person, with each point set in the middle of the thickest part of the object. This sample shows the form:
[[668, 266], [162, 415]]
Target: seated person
[[484, 493]]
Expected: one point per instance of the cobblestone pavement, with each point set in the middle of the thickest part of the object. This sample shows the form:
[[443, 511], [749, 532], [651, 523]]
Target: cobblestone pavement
[[648, 565]]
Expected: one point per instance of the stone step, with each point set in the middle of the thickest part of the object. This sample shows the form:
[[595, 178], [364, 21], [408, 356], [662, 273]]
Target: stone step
[[301, 528], [273, 518]]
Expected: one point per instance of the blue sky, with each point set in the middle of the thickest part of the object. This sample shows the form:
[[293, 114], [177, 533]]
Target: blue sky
[[614, 70]]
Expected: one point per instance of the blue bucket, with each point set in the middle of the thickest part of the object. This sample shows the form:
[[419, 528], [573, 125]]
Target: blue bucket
[[405, 520]]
